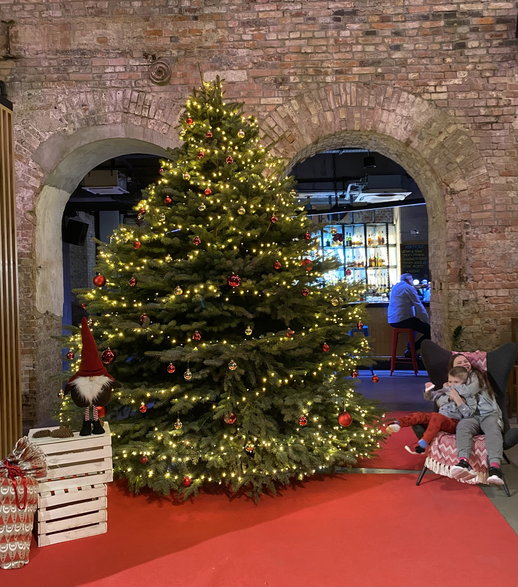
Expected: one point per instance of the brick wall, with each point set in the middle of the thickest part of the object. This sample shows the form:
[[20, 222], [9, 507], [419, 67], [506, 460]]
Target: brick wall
[[432, 85]]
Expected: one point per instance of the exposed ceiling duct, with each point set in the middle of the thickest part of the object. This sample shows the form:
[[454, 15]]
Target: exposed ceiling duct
[[372, 189], [105, 182]]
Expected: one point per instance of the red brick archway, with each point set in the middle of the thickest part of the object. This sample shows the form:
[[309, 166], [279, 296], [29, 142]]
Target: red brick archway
[[428, 144]]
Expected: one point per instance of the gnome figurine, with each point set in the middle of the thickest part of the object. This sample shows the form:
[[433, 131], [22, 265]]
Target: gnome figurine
[[92, 385]]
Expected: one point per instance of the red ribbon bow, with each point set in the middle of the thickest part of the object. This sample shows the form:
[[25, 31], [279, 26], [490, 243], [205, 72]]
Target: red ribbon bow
[[14, 471]]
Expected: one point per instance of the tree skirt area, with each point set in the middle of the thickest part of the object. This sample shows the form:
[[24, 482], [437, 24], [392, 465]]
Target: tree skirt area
[[361, 530]]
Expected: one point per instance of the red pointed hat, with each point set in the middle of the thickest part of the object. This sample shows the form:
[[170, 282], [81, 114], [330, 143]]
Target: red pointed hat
[[91, 365]]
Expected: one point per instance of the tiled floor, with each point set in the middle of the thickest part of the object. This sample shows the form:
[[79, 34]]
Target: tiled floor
[[404, 391]]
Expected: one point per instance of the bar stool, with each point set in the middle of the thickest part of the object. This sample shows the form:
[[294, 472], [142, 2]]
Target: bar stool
[[413, 359]]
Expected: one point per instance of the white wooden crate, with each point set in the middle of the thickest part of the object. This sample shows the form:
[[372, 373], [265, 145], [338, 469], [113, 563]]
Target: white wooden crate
[[72, 500]]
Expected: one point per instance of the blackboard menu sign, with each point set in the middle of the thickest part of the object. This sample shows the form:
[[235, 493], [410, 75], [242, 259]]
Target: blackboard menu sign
[[414, 260]]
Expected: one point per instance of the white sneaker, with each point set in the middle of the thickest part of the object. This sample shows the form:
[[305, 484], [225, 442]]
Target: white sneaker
[[393, 427], [462, 470], [495, 476]]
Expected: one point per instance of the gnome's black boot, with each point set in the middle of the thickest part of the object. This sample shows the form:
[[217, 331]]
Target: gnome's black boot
[[97, 427], [86, 428]]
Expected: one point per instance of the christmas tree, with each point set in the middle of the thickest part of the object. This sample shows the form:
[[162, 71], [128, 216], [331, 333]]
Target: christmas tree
[[233, 352]]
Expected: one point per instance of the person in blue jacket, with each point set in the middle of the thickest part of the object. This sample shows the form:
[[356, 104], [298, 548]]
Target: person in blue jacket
[[406, 310]]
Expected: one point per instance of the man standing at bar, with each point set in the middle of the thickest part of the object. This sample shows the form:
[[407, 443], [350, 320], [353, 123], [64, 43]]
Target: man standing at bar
[[405, 310]]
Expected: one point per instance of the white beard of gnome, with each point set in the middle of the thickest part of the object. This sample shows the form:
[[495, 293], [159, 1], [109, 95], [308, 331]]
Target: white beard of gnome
[[90, 391], [92, 385]]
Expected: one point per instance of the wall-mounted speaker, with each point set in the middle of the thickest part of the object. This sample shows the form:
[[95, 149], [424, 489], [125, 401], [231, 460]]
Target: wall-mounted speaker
[[74, 232]]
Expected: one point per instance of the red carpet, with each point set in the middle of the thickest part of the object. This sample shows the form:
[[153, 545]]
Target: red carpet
[[392, 454], [359, 530]]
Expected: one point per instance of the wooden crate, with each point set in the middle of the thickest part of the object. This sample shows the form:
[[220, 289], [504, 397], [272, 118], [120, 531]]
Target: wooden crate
[[72, 500]]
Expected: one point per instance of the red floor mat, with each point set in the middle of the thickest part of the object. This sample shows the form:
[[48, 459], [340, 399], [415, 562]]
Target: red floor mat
[[355, 529]]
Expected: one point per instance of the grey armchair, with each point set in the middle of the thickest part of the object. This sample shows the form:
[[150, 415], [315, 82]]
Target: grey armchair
[[499, 365]]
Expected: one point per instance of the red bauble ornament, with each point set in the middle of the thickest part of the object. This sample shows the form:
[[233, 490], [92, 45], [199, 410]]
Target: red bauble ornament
[[171, 368], [290, 332], [189, 120], [142, 211], [375, 378], [207, 191], [307, 264], [303, 421], [144, 460], [234, 280], [325, 347], [229, 160], [307, 236], [354, 373], [196, 241], [274, 219], [305, 291], [360, 325], [209, 134], [348, 272], [230, 418], [143, 318], [70, 355], [161, 170], [101, 411], [137, 245], [99, 280], [186, 481], [168, 200], [196, 335], [345, 419], [83, 306], [132, 282], [108, 356], [277, 265], [250, 450], [201, 154], [143, 408]]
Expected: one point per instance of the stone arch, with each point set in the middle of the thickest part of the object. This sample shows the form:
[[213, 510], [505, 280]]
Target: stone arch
[[425, 140], [92, 129], [89, 150], [83, 133]]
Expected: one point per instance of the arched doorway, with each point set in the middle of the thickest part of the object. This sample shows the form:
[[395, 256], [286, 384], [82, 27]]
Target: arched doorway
[[86, 150], [370, 216], [105, 199], [438, 154]]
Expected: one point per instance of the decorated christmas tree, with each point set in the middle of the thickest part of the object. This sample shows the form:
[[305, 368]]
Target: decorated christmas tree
[[233, 353]]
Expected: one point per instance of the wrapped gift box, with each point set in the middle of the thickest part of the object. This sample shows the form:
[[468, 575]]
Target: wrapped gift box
[[16, 522], [18, 502]]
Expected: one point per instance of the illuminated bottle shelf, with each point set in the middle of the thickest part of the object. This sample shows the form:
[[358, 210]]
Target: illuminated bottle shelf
[[367, 253]]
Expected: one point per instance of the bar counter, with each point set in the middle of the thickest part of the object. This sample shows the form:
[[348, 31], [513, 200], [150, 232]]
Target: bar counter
[[380, 333]]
